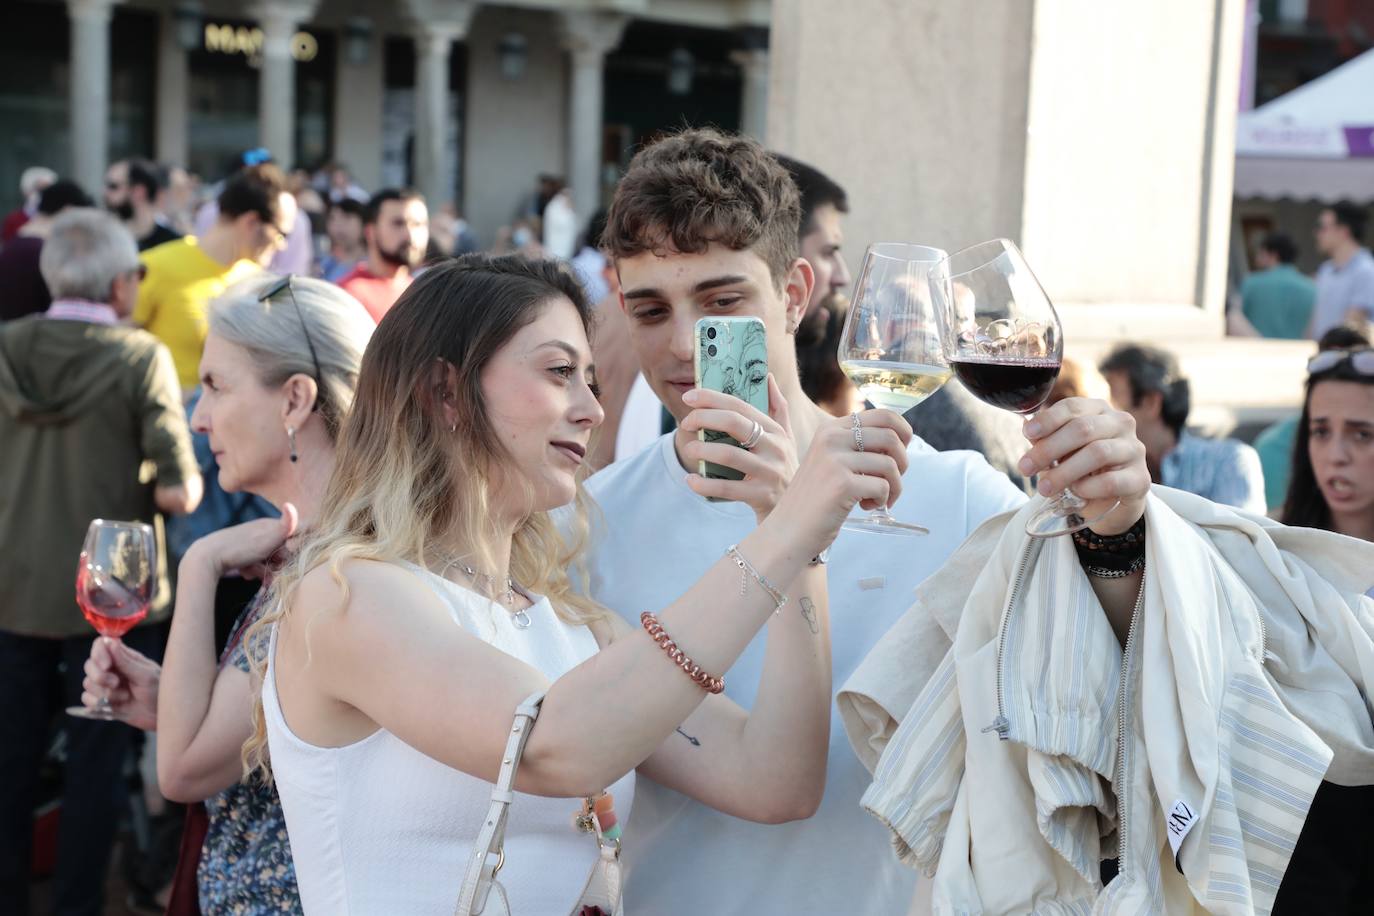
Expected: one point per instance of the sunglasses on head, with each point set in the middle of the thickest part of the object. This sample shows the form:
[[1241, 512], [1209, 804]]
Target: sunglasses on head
[[1362, 361], [276, 289]]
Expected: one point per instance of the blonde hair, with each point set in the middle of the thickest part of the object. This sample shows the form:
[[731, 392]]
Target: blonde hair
[[403, 479]]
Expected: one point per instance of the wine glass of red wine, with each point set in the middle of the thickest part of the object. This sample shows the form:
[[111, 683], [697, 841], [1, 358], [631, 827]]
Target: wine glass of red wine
[[1003, 340], [115, 578]]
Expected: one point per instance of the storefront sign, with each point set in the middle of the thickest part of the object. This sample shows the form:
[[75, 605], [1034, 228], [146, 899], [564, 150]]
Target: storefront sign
[[230, 39]]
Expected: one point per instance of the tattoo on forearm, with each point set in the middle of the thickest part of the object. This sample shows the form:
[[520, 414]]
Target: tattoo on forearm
[[808, 609], [695, 742]]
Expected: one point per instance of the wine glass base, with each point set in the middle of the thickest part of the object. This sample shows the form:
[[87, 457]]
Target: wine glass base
[[97, 713], [1052, 521], [878, 524]]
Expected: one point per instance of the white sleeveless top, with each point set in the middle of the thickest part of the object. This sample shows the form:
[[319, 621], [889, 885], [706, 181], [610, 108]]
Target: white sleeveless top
[[377, 827]]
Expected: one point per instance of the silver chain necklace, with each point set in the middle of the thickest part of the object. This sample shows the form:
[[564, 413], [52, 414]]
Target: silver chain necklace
[[506, 592]]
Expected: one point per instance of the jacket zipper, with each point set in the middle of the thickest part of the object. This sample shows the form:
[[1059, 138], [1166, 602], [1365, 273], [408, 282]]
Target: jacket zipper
[[1000, 724], [1122, 708]]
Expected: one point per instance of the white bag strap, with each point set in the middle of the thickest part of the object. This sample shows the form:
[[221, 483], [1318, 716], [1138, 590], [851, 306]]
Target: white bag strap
[[481, 872]]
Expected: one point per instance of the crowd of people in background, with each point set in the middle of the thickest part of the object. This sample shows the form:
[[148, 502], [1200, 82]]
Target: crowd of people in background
[[172, 328], [1279, 301]]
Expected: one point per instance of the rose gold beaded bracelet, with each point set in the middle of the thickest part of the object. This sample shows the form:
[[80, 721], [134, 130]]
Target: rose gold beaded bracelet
[[705, 681]]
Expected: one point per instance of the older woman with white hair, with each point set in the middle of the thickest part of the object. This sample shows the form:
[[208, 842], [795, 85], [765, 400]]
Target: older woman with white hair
[[277, 378]]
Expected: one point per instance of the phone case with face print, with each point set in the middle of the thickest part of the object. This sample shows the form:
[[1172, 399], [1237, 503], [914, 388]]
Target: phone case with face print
[[731, 357]]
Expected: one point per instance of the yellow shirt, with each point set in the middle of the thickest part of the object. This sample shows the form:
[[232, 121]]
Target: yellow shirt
[[173, 298]]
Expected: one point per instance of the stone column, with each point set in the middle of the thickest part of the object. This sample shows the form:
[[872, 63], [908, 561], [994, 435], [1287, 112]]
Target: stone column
[[433, 46], [90, 91], [277, 77], [359, 88], [753, 108], [588, 37], [172, 140]]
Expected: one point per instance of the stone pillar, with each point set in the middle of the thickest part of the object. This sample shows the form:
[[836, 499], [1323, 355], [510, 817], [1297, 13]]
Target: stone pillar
[[753, 109], [277, 77], [172, 139], [358, 92], [753, 62], [588, 37], [433, 46], [90, 91]]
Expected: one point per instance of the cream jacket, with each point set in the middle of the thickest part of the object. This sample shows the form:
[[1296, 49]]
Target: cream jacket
[[1012, 750]]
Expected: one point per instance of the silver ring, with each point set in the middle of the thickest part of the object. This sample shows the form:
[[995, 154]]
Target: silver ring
[[754, 436], [858, 434]]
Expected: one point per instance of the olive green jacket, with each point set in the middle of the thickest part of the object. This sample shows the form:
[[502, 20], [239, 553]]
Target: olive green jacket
[[90, 419]]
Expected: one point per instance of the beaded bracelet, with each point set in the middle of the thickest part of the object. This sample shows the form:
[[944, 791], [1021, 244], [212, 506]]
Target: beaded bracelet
[[746, 570], [1120, 553], [707, 682]]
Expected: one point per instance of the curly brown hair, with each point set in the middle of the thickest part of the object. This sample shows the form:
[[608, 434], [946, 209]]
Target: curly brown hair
[[701, 186]]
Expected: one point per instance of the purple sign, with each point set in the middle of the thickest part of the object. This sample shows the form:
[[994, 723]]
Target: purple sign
[[1360, 141]]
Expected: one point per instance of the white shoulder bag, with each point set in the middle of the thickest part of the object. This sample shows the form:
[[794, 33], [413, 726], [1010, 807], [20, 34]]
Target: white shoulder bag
[[482, 894]]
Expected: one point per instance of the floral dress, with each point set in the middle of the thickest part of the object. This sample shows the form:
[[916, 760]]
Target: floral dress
[[245, 865]]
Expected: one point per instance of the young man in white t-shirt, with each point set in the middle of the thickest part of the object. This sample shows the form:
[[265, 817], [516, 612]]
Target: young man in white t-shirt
[[705, 224]]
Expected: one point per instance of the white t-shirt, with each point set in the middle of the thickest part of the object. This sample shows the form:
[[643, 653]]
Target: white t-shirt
[[641, 421], [658, 539]]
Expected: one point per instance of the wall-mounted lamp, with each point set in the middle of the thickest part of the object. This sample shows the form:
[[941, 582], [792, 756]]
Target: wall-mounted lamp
[[682, 68], [186, 19], [357, 40], [514, 51]]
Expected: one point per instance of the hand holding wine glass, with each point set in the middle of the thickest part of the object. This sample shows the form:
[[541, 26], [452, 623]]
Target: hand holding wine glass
[[890, 347], [1003, 339], [115, 578]]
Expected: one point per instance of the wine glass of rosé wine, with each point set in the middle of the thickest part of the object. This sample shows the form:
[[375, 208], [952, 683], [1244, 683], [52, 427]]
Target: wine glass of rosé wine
[[115, 579], [890, 347], [1003, 339]]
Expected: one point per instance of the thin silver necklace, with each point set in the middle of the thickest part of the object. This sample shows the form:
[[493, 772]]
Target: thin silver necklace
[[519, 616]]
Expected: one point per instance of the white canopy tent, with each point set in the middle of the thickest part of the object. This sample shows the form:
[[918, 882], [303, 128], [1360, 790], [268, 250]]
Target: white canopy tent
[[1314, 143]]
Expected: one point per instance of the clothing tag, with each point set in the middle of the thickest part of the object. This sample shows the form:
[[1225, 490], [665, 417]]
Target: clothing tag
[[872, 582], [1180, 820]]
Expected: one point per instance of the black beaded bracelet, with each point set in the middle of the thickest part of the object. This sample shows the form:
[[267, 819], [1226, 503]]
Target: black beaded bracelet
[[1122, 553]]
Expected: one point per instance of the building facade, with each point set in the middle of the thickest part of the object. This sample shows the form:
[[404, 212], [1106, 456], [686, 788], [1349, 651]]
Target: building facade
[[469, 101]]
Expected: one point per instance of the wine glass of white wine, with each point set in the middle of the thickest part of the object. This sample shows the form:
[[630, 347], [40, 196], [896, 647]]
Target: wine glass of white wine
[[890, 348]]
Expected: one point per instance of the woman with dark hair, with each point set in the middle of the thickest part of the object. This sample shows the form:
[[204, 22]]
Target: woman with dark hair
[[1332, 484], [432, 600], [1332, 488]]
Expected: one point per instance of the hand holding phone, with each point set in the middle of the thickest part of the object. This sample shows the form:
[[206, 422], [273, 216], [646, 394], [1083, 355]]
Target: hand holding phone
[[732, 358], [734, 392]]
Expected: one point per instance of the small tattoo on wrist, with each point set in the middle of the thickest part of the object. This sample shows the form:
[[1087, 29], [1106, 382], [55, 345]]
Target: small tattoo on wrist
[[695, 742], [808, 610]]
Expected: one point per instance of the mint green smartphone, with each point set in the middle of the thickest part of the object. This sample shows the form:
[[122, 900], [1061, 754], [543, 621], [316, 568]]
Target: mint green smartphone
[[731, 357]]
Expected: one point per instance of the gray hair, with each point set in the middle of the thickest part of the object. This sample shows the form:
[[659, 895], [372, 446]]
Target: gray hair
[[274, 332], [84, 252]]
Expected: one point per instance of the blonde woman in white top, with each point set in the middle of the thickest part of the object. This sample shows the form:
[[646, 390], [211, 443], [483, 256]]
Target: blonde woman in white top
[[433, 596]]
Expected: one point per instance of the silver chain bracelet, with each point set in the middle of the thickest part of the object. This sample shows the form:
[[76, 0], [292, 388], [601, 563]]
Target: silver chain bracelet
[[1099, 572], [746, 570]]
